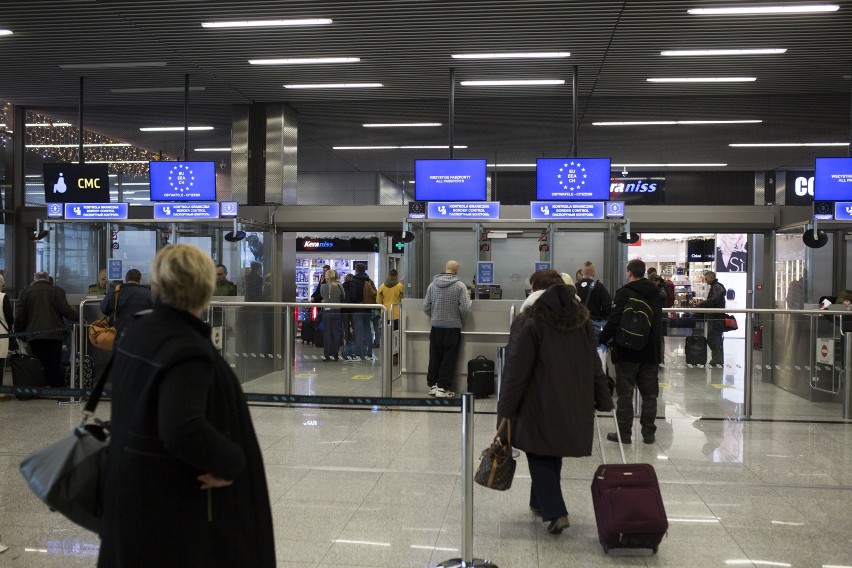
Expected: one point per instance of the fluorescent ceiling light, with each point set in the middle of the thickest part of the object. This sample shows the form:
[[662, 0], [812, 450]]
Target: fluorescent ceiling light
[[304, 61], [335, 86], [104, 145], [748, 10], [400, 124], [701, 79], [38, 124], [712, 52], [672, 165], [126, 65], [212, 149], [173, 128], [512, 82], [133, 90], [114, 162], [674, 122], [785, 144], [396, 147], [268, 23], [5, 32], [527, 55]]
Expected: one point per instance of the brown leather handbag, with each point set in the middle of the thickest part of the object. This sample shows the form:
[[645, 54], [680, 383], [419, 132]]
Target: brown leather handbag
[[101, 333], [497, 466]]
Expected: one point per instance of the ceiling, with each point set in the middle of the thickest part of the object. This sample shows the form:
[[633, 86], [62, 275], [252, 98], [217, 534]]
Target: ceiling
[[802, 95]]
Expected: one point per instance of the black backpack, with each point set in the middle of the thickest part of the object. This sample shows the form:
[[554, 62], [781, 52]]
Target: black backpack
[[634, 328]]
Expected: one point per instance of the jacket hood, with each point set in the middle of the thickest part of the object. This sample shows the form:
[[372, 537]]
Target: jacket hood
[[558, 307], [391, 282], [644, 288], [445, 279]]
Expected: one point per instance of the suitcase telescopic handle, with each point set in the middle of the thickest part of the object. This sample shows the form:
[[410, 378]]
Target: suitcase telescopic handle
[[600, 438]]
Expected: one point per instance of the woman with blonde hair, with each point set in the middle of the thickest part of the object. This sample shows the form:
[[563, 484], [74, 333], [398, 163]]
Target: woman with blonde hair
[[185, 483], [332, 292]]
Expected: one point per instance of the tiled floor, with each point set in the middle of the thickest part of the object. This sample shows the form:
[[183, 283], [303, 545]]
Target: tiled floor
[[366, 487]]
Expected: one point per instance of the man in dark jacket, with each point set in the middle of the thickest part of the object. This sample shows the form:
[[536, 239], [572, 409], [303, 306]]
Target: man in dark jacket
[[41, 307], [636, 368], [593, 294], [361, 317], [715, 322], [133, 297]]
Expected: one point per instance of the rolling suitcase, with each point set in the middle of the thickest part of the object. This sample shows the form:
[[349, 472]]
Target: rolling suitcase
[[696, 348], [87, 376], [628, 504], [26, 372], [309, 331], [480, 376]]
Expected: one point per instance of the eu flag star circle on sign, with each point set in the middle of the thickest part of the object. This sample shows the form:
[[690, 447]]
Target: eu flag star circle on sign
[[572, 175], [181, 177]]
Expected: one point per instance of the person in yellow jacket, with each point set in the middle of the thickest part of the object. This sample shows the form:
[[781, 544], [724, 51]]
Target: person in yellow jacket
[[390, 293]]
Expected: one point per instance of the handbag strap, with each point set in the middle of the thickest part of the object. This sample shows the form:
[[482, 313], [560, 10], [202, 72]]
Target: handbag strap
[[92, 403], [505, 422], [589, 295]]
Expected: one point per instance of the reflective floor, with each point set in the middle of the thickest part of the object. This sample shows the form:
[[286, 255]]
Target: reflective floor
[[365, 487]]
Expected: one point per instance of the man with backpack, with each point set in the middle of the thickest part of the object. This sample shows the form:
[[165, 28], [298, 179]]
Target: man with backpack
[[362, 290], [634, 331]]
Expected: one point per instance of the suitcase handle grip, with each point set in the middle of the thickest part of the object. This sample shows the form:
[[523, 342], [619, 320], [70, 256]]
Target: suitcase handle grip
[[600, 438]]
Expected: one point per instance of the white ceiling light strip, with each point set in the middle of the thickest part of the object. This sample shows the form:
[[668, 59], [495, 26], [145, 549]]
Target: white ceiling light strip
[[336, 86], [304, 61], [268, 23], [400, 124], [701, 79], [786, 144], [675, 122], [526, 55], [721, 52], [762, 10], [397, 147], [513, 83], [173, 128]]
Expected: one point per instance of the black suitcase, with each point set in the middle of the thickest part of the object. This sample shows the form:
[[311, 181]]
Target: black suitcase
[[309, 331], [26, 372], [696, 350], [88, 373], [319, 337], [628, 504], [480, 377]]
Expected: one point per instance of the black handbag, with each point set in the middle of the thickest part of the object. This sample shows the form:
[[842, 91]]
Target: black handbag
[[69, 475], [497, 466]]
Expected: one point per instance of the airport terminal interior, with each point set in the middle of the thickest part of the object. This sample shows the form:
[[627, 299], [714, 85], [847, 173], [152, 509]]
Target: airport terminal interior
[[284, 136]]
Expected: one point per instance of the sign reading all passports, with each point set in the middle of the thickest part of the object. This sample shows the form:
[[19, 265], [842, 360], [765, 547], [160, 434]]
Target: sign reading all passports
[[591, 210], [464, 210]]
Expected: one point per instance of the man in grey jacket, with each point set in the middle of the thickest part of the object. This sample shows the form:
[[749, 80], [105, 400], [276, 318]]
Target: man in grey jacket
[[447, 304]]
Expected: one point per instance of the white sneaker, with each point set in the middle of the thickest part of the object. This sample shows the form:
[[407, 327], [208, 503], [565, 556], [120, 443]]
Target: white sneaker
[[441, 393], [432, 390]]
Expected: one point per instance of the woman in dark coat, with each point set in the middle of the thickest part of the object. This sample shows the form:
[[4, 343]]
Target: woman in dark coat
[[185, 482], [552, 383]]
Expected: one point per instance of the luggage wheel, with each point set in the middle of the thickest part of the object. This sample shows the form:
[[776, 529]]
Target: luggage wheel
[[654, 549], [606, 549]]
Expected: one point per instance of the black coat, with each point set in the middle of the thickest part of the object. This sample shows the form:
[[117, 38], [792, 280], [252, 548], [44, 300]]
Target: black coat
[[132, 299], [42, 305], [596, 298], [653, 351], [553, 379], [178, 412]]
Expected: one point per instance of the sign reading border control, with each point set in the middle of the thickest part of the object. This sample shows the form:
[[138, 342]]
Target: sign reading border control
[[591, 210], [842, 211], [96, 210], [186, 210], [464, 210]]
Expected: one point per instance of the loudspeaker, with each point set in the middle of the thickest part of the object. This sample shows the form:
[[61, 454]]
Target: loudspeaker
[[769, 188]]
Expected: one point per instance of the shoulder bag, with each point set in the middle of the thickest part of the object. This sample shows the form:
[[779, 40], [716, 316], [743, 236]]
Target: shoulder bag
[[69, 475], [497, 466], [101, 333], [730, 323]]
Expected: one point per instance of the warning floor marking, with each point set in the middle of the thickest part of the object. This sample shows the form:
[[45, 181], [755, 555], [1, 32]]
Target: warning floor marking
[[362, 377]]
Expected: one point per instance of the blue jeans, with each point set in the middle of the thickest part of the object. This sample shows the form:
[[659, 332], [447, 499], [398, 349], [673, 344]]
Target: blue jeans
[[363, 333]]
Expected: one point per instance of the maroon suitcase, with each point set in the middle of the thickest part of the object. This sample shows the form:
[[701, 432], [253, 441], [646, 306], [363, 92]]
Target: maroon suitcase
[[628, 505]]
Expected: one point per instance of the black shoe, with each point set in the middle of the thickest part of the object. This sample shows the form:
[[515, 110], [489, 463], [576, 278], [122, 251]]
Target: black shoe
[[556, 526], [715, 364], [613, 437], [649, 439], [534, 510]]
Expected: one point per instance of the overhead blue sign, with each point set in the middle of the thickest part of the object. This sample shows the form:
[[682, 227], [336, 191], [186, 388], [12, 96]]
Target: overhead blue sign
[[54, 210], [186, 211], [464, 210], [96, 210], [843, 211], [591, 210], [457, 180], [228, 208], [832, 179], [541, 266], [485, 272], [572, 179], [114, 269], [615, 209]]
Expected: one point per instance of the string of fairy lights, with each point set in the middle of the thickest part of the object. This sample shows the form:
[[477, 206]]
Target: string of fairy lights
[[54, 140]]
